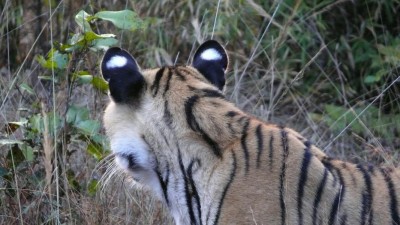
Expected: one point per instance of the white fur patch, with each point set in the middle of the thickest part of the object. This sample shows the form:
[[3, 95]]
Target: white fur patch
[[122, 162], [126, 143], [116, 61], [211, 54]]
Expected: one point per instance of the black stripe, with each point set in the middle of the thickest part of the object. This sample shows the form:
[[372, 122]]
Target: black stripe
[[188, 195], [208, 92], [326, 161], [366, 197], [214, 145], [163, 182], [166, 181], [344, 220], [156, 83], [193, 188], [303, 179], [180, 75], [231, 177], [191, 120], [168, 82], [339, 195], [393, 197], [231, 114], [167, 114], [282, 176], [244, 146], [335, 208], [163, 135], [212, 93], [132, 161], [350, 172], [318, 196], [271, 151], [372, 172], [260, 144], [302, 139], [371, 169]]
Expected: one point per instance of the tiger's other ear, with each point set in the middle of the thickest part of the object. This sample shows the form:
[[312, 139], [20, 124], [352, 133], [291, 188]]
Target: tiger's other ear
[[211, 60], [122, 73]]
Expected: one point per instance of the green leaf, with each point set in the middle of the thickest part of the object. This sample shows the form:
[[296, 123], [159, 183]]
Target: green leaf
[[28, 152], [74, 184], [92, 187], [43, 62], [27, 88], [37, 123], [54, 122], [370, 79], [3, 171], [82, 19], [83, 77], [88, 127], [60, 60], [125, 19], [55, 60], [389, 51], [100, 140], [76, 42], [104, 43], [77, 114], [15, 156], [339, 117], [90, 36], [95, 150], [100, 84], [97, 41]]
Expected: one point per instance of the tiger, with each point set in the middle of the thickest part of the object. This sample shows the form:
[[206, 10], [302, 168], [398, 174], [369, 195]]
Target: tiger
[[172, 130]]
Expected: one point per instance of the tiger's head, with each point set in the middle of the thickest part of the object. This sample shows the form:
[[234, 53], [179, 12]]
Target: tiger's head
[[164, 119]]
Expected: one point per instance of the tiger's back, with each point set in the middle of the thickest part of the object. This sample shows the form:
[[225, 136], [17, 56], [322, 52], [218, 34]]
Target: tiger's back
[[172, 129], [290, 181]]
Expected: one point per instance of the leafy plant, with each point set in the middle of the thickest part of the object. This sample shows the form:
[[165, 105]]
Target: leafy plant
[[59, 123], [389, 57], [360, 121]]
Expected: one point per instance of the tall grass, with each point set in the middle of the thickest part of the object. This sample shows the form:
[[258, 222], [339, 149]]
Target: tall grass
[[329, 69]]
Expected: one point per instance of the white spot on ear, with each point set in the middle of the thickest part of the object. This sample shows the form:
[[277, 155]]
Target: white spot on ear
[[210, 54], [116, 61]]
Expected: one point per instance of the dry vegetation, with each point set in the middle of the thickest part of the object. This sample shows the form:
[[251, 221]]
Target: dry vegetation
[[329, 69]]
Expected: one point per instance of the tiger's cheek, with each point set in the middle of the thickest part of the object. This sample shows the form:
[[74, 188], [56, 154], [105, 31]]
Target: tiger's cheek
[[131, 152], [122, 162], [126, 141]]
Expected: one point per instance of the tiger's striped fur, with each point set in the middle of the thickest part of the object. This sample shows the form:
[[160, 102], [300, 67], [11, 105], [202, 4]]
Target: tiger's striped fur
[[172, 129]]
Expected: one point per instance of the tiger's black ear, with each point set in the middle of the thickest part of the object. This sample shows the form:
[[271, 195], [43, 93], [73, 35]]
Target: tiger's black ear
[[122, 73], [211, 60]]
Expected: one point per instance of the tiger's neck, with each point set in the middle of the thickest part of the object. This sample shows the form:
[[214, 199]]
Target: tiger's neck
[[202, 186], [204, 183]]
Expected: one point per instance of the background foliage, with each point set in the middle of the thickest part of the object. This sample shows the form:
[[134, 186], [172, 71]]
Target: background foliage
[[329, 69]]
